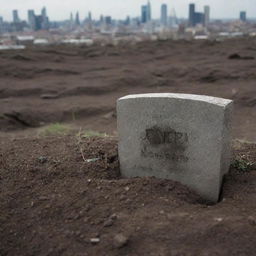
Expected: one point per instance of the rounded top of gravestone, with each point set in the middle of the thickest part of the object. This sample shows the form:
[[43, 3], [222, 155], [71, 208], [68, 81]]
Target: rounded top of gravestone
[[182, 96]]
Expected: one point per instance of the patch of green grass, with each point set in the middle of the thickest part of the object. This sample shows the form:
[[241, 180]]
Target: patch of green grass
[[242, 164], [55, 129]]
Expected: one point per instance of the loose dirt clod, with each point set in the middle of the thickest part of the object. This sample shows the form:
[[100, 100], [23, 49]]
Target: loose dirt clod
[[252, 220], [120, 240]]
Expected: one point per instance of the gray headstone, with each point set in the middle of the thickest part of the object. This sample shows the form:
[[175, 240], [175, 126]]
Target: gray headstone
[[181, 137]]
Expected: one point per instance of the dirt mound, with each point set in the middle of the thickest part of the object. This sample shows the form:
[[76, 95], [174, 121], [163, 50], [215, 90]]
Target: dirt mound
[[65, 196]]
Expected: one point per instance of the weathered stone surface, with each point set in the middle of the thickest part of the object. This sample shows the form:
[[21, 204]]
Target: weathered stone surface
[[181, 137]]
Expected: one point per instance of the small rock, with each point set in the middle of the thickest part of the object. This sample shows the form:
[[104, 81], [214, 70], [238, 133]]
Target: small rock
[[218, 219], [42, 159], [108, 223], [95, 240], [120, 241], [110, 115], [113, 216], [252, 220], [127, 188]]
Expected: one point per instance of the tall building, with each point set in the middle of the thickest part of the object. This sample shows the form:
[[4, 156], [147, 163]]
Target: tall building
[[243, 16], [198, 18], [31, 19], [77, 21], [38, 22], [1, 25], [43, 12], [101, 19], [164, 15], [45, 19], [206, 15], [149, 16], [192, 8], [15, 16], [90, 17], [108, 20], [146, 12], [195, 17], [144, 15], [71, 19], [127, 21]]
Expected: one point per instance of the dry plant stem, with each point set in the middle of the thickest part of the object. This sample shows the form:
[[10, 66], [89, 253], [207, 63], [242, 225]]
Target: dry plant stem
[[81, 150], [79, 142]]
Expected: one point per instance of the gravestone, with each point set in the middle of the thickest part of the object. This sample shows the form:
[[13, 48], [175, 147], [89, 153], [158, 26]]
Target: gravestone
[[181, 137]]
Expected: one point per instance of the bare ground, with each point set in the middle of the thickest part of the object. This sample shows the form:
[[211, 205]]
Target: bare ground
[[64, 195], [80, 85], [52, 202]]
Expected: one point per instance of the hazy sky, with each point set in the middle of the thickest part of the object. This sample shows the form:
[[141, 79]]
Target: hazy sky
[[60, 9]]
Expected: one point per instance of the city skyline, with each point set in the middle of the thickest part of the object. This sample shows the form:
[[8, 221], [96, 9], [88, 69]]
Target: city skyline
[[119, 10]]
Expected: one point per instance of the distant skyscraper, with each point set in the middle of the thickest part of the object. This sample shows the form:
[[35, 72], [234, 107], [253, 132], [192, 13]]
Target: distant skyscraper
[[15, 16], [191, 14], [90, 17], [31, 19], [198, 18], [108, 20], [1, 24], [38, 22], [206, 15], [164, 15], [144, 14], [77, 19], [195, 17], [101, 18], [243, 16], [127, 21], [43, 12], [45, 20], [149, 11]]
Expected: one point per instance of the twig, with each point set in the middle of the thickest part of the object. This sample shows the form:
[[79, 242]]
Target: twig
[[82, 153]]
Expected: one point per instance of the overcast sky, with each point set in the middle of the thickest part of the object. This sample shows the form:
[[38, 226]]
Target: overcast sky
[[60, 9]]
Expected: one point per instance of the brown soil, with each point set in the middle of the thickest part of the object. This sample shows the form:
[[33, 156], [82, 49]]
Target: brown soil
[[53, 202], [64, 195], [80, 85]]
